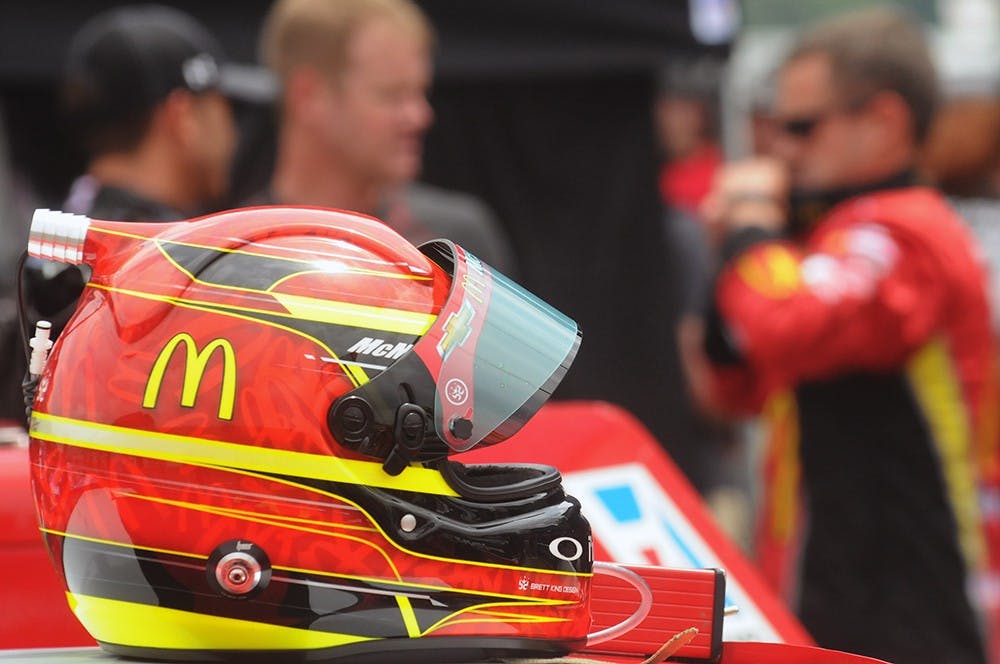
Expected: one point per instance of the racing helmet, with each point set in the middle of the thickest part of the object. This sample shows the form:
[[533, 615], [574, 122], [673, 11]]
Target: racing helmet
[[242, 443]]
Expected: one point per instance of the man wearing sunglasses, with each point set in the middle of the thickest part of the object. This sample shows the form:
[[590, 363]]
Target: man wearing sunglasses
[[847, 284]]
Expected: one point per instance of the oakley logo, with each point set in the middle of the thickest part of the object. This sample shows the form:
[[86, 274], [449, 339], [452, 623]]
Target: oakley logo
[[195, 364], [566, 548], [379, 348]]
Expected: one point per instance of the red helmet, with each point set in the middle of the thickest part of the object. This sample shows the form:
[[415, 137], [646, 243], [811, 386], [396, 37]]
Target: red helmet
[[241, 442]]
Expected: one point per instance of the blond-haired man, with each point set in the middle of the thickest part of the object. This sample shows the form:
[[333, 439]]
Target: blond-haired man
[[355, 76]]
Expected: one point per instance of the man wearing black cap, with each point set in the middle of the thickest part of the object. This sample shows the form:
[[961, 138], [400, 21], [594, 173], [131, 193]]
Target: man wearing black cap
[[146, 90]]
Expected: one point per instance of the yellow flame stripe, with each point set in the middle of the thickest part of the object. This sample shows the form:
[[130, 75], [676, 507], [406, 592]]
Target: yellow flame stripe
[[277, 521], [356, 315], [326, 311], [214, 453], [129, 623], [354, 373], [524, 620], [305, 258], [239, 514], [426, 556], [409, 616], [508, 600], [432, 483], [479, 608], [521, 617], [98, 540], [99, 615]]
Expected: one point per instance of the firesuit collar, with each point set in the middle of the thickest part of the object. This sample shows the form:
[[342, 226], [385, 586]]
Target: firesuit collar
[[739, 240], [807, 206]]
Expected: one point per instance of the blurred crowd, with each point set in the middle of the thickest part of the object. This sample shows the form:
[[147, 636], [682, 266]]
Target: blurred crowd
[[839, 285]]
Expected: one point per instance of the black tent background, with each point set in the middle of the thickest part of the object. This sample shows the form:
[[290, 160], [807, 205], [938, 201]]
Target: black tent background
[[542, 109]]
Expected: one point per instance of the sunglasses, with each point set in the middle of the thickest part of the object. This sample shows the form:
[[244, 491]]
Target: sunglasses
[[800, 127], [803, 127]]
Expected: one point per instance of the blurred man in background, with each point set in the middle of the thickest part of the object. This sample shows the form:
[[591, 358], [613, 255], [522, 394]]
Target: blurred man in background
[[355, 76], [848, 284], [685, 117], [145, 92]]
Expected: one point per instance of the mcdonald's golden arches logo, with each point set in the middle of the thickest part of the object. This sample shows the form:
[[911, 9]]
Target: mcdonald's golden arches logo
[[195, 363]]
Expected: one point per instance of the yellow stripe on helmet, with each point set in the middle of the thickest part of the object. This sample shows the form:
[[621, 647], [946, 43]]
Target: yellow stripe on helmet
[[131, 624], [206, 452], [356, 315]]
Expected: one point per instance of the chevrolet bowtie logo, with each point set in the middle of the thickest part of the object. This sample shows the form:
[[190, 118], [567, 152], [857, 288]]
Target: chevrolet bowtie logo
[[457, 329], [195, 363]]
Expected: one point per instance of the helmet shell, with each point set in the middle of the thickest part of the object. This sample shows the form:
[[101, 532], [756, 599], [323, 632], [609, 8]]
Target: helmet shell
[[186, 476]]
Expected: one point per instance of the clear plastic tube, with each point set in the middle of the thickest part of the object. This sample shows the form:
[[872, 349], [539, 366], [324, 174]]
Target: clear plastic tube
[[630, 623]]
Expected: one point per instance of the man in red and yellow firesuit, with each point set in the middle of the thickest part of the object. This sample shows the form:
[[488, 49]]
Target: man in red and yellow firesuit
[[851, 286]]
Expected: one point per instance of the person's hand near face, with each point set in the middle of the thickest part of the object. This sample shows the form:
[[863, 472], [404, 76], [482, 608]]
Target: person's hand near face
[[752, 192]]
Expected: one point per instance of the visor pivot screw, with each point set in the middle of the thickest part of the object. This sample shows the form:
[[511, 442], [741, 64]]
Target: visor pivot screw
[[238, 573], [408, 523], [351, 422], [237, 576], [238, 569], [461, 428], [354, 419]]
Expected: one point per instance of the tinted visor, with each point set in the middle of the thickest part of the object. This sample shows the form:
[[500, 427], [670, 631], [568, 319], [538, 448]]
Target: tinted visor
[[496, 352]]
